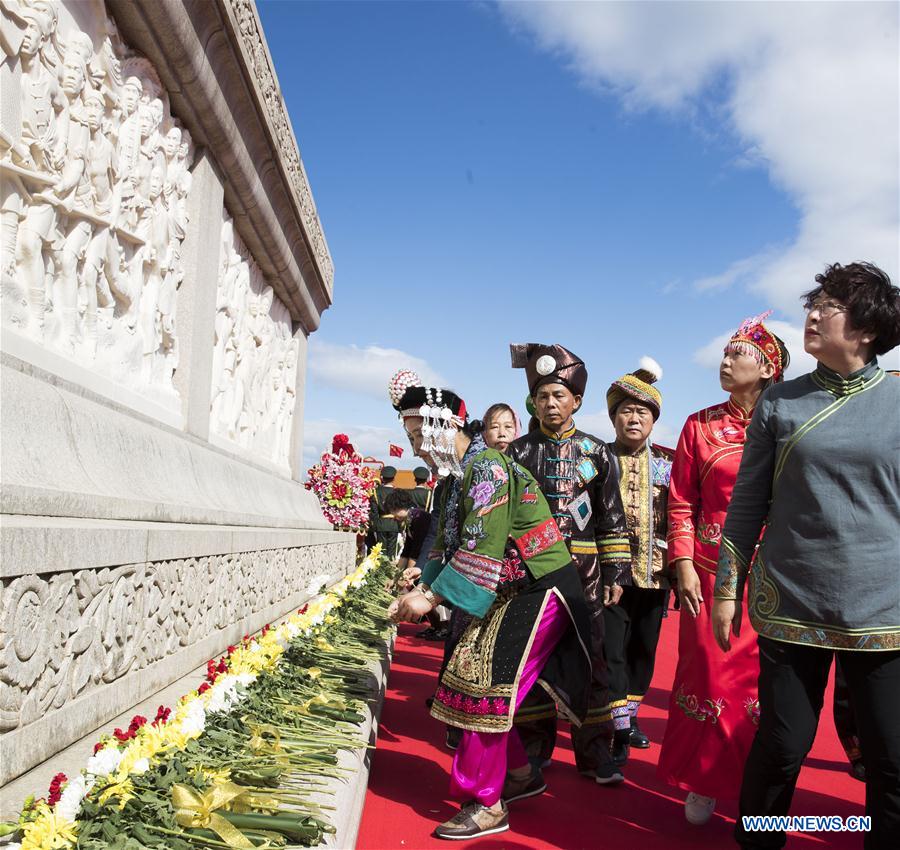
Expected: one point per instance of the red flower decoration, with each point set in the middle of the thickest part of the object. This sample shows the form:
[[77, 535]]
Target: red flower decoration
[[204, 687], [56, 785], [162, 715]]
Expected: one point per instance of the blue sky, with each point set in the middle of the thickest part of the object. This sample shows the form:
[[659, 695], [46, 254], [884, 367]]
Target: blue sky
[[624, 179]]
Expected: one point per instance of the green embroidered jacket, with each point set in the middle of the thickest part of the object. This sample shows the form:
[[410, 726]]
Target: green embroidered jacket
[[499, 503]]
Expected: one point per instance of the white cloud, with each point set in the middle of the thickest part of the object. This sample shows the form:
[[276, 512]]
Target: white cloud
[[364, 370], [367, 439], [710, 355], [598, 424], [813, 95]]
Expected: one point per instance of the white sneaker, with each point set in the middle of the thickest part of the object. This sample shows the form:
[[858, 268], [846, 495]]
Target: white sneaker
[[698, 809]]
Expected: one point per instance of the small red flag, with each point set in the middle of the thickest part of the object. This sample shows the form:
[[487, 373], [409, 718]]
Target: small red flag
[[395, 451]]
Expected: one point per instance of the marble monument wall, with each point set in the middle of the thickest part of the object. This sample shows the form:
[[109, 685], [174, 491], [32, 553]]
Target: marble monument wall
[[154, 319]]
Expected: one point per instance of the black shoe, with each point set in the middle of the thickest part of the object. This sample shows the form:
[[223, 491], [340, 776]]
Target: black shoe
[[858, 770], [426, 634], [519, 789], [638, 739], [620, 747], [454, 736], [609, 774]]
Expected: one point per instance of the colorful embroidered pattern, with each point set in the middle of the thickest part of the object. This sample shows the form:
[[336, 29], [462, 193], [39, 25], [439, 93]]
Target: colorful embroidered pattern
[[581, 511], [478, 569], [709, 532], [661, 471], [474, 531], [539, 539], [512, 569], [586, 470], [528, 498], [708, 709], [587, 445], [730, 573], [466, 704], [498, 503], [582, 547], [613, 549], [752, 707]]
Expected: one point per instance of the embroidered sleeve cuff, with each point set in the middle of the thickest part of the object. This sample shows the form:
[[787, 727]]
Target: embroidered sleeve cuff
[[460, 591], [681, 545], [731, 573], [431, 571], [613, 550]]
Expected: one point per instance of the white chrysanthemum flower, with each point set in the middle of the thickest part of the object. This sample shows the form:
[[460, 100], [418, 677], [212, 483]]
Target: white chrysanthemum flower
[[104, 762], [317, 584], [69, 804], [141, 766], [194, 721]]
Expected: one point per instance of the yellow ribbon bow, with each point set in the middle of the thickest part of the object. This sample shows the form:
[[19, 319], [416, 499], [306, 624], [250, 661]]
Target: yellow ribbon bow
[[194, 810]]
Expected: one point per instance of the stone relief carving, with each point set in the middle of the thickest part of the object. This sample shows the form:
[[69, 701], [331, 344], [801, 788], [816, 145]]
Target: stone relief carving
[[94, 198], [65, 635], [253, 45], [254, 357]]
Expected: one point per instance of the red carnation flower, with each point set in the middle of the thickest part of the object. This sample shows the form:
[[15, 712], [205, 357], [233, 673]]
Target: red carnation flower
[[99, 746], [162, 715], [203, 688], [231, 649], [56, 785], [136, 722]]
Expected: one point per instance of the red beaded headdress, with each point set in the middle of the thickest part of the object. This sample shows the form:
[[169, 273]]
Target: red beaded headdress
[[755, 339]]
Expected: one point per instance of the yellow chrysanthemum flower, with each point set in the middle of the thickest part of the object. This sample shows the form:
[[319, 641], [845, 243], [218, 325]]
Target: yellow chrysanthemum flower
[[49, 831]]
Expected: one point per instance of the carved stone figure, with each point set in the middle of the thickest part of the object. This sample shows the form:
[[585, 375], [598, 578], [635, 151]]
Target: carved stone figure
[[254, 358], [96, 175]]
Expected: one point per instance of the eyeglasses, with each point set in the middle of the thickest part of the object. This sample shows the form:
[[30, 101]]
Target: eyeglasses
[[826, 309]]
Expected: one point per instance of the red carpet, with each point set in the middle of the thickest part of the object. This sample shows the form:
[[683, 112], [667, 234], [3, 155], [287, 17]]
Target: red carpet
[[407, 792]]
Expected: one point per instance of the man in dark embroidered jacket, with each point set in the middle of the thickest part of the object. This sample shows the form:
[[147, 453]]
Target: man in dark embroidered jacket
[[577, 475], [632, 626]]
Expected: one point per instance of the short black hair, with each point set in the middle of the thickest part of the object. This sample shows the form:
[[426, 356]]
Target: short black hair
[[398, 500], [872, 301]]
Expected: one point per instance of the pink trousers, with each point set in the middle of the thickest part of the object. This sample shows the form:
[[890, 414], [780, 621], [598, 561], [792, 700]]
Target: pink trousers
[[481, 761]]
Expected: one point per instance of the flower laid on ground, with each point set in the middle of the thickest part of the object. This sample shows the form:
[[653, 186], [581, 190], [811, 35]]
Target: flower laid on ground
[[343, 484], [242, 761]]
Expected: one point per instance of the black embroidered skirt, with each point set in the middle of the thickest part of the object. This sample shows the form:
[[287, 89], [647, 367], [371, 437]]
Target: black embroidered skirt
[[478, 689]]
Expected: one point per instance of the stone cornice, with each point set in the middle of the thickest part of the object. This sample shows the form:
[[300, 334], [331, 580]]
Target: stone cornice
[[247, 30], [212, 59]]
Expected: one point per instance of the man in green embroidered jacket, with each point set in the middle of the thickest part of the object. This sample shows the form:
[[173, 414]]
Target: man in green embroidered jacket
[[821, 472]]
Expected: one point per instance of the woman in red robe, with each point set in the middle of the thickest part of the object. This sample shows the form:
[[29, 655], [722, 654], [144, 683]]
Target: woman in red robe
[[713, 710]]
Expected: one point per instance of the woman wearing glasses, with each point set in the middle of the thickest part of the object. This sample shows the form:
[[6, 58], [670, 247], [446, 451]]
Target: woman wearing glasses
[[712, 712], [821, 470]]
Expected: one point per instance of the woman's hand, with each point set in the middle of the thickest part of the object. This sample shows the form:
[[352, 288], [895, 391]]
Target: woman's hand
[[410, 574], [689, 590], [726, 618], [411, 607]]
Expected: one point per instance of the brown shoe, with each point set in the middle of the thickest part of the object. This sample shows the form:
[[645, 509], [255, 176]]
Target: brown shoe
[[472, 821], [519, 789]]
